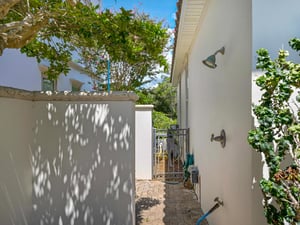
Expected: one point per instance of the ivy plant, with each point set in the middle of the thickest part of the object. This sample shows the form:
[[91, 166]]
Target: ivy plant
[[277, 136]]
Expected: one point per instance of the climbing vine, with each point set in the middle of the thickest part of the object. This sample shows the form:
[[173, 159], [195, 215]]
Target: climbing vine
[[277, 136]]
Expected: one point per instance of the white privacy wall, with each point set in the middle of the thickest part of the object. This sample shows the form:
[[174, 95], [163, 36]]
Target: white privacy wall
[[77, 153], [221, 99], [15, 158], [143, 142]]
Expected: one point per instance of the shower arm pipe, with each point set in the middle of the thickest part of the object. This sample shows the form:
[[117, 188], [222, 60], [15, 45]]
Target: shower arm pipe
[[217, 205]]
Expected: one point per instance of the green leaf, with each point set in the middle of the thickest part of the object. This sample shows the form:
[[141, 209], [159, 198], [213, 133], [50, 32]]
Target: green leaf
[[297, 153]]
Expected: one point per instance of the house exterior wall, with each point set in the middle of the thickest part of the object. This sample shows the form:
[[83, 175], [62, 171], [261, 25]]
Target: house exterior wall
[[143, 142], [74, 158], [64, 82], [221, 99], [183, 116], [19, 71]]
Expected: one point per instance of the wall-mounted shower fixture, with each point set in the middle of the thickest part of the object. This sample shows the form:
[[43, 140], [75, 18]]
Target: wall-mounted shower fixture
[[217, 205], [221, 138], [210, 61]]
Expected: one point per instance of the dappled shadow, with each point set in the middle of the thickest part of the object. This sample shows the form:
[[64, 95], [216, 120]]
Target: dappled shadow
[[166, 203], [82, 164], [144, 204], [181, 205]]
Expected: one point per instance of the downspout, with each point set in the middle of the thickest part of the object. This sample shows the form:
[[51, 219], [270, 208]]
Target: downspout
[[108, 75]]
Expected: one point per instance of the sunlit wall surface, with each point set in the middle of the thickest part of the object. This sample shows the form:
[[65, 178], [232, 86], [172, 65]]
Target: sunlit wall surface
[[143, 142], [216, 99], [67, 162]]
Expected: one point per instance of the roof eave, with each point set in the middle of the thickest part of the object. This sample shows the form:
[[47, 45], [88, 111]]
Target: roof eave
[[189, 13]]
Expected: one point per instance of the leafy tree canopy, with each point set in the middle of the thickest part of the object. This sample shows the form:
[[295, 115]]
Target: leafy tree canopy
[[46, 29], [278, 135], [163, 97], [134, 45], [56, 30], [162, 121]]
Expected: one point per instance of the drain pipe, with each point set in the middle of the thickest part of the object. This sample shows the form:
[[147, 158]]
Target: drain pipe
[[217, 205]]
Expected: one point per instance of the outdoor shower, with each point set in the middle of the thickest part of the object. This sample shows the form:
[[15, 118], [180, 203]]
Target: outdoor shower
[[210, 61], [221, 138]]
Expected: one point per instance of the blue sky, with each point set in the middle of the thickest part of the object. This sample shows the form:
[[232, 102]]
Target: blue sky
[[157, 9]]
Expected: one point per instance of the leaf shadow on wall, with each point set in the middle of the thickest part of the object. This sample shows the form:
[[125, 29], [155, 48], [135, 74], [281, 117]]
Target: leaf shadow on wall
[[82, 165]]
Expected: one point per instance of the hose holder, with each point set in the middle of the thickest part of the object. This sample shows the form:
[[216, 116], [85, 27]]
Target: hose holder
[[221, 138], [219, 201]]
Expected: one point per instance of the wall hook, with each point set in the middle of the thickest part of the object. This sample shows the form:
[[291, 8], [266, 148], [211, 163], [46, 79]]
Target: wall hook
[[221, 138]]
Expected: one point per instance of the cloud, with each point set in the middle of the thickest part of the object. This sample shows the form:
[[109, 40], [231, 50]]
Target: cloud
[[169, 48], [174, 16]]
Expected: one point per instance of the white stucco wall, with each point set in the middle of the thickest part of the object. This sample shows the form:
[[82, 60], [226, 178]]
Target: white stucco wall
[[89, 148], [19, 71], [67, 159], [64, 82], [183, 115], [143, 142], [15, 161], [221, 99]]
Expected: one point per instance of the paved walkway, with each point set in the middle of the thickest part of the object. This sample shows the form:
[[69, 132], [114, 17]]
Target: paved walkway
[[159, 203]]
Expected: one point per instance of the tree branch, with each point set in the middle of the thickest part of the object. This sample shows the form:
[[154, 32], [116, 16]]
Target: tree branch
[[19, 33], [5, 6]]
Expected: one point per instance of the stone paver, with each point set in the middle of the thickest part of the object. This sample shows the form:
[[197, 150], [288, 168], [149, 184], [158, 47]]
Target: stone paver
[[160, 203]]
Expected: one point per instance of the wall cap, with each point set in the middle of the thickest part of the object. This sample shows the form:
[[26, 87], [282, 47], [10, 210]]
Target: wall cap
[[8, 92], [144, 107]]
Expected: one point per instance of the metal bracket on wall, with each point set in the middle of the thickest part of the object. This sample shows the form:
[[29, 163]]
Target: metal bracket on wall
[[221, 138]]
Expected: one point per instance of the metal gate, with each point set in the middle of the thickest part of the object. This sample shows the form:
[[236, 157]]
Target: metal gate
[[169, 151]]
